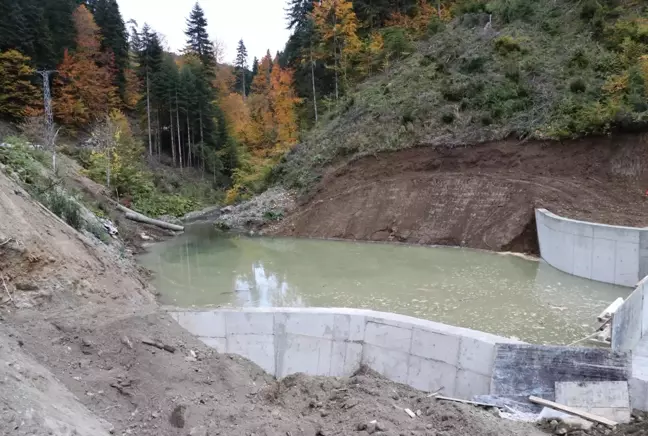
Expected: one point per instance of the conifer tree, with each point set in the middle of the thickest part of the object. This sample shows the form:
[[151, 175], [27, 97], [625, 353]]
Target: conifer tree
[[114, 38], [241, 67], [198, 42]]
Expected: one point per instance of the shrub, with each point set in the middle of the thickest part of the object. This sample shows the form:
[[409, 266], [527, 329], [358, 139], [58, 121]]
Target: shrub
[[512, 10], [448, 117], [434, 26], [397, 43], [506, 44], [63, 206], [473, 65], [578, 85]]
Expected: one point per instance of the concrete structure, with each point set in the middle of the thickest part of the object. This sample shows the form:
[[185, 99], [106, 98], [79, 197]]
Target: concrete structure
[[610, 254], [334, 342], [607, 399], [630, 333]]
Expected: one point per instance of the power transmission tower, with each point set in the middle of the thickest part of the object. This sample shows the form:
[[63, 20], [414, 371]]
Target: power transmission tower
[[49, 115]]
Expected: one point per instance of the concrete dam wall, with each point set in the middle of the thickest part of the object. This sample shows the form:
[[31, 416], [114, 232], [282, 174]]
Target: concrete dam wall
[[610, 254], [335, 342], [426, 355]]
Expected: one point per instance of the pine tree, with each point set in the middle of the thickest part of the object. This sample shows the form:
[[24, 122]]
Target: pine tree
[[198, 42], [19, 96], [115, 38], [241, 68], [61, 25], [149, 59]]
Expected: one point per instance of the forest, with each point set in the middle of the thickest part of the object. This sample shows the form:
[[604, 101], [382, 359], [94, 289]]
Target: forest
[[235, 124]]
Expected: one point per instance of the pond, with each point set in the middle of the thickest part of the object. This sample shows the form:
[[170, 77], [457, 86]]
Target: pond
[[504, 294]]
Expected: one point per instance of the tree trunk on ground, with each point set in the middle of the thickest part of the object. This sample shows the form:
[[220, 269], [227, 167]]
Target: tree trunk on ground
[[144, 219]]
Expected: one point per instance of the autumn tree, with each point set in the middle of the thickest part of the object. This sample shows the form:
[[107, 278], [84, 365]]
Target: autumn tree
[[84, 90], [19, 96], [337, 26]]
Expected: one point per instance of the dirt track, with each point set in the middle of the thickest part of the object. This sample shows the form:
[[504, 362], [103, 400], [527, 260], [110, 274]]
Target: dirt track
[[482, 196]]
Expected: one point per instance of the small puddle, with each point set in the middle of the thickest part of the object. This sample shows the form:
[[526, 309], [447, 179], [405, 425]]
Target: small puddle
[[506, 295]]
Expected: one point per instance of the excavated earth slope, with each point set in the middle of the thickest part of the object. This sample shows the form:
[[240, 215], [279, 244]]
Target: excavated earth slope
[[481, 196]]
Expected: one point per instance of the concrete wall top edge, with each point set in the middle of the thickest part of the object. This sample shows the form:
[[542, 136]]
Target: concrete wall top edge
[[388, 318], [590, 223]]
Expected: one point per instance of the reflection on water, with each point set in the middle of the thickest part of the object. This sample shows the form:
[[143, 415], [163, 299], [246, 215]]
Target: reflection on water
[[501, 294]]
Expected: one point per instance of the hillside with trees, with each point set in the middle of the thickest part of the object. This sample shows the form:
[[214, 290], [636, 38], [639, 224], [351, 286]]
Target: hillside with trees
[[355, 78]]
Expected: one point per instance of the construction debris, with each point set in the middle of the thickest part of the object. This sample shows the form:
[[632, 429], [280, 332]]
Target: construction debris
[[160, 345]]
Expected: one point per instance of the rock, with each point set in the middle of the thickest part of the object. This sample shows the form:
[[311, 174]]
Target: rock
[[26, 286], [371, 427], [177, 418], [561, 430], [227, 209], [361, 426]]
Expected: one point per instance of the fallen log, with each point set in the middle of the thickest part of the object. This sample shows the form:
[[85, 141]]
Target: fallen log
[[134, 216]]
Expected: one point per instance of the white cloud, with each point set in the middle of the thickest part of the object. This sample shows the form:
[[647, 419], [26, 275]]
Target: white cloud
[[261, 23]]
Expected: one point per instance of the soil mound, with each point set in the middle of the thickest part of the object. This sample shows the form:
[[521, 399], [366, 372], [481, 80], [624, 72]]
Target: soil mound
[[481, 196]]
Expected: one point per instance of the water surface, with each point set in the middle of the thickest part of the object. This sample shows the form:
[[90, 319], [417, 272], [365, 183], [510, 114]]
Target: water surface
[[501, 294]]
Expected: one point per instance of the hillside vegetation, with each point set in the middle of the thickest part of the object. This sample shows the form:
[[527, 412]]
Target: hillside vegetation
[[529, 69]]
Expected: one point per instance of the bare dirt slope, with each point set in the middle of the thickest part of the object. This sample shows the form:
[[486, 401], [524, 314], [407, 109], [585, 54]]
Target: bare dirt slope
[[73, 317], [482, 196]]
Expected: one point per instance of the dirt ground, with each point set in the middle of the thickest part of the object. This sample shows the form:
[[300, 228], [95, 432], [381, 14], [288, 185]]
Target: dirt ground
[[73, 317], [482, 196]]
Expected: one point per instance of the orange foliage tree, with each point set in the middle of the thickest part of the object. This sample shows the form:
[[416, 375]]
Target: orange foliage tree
[[83, 88], [18, 96], [417, 24], [337, 26]]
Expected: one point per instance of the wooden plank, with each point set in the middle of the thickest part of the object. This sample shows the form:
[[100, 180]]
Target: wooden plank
[[521, 370], [474, 403], [572, 411]]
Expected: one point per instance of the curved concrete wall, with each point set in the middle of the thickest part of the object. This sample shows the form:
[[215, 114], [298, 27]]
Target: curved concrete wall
[[335, 342], [610, 254]]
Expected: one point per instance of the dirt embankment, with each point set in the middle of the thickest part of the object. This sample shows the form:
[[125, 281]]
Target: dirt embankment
[[482, 196], [73, 317]]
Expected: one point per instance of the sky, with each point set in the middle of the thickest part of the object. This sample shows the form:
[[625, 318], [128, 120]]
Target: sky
[[260, 23]]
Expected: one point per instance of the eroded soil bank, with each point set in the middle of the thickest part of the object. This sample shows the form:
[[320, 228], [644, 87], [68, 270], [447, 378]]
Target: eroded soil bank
[[481, 196]]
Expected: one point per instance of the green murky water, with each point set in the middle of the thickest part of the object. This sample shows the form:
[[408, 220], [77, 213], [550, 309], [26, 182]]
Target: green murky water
[[501, 294]]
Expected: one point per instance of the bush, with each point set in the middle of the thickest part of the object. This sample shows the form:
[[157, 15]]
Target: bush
[[448, 118], [577, 85], [63, 206], [512, 10], [397, 43], [434, 26], [473, 65], [506, 45]]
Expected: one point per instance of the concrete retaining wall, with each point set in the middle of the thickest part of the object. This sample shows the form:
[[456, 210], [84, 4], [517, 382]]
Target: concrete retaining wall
[[630, 333], [335, 342], [610, 254]]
